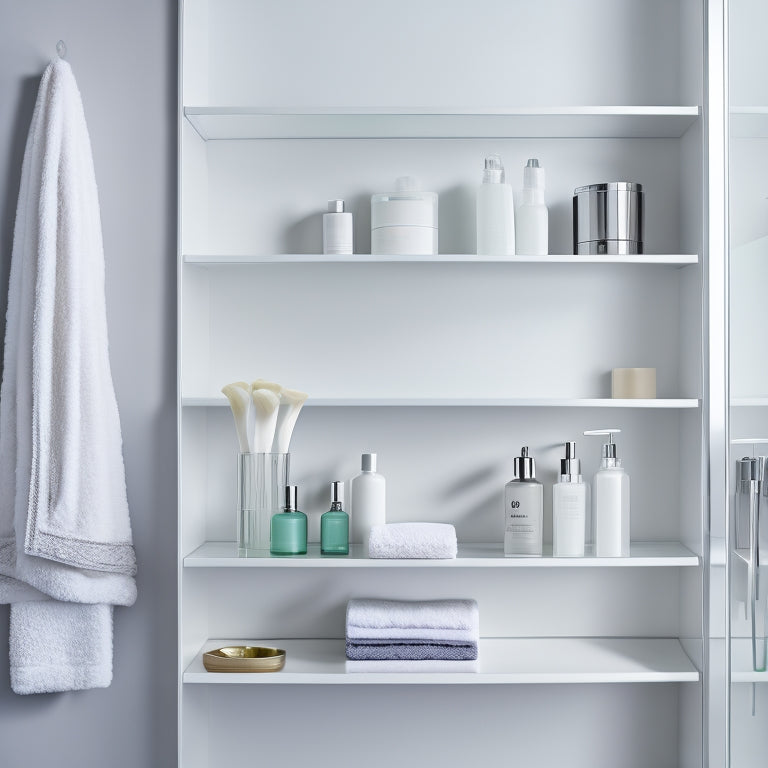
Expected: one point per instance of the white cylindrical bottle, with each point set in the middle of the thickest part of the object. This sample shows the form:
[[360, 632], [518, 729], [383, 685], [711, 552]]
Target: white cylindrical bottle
[[569, 507], [532, 217], [367, 501], [524, 510], [337, 229], [495, 212], [611, 503]]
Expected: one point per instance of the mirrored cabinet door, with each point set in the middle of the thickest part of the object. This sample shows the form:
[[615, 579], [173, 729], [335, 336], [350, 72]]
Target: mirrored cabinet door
[[748, 368]]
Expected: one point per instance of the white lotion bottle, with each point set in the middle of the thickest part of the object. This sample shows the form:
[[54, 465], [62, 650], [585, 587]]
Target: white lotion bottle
[[367, 501], [337, 229], [524, 510], [569, 507], [495, 212], [532, 217], [611, 501]]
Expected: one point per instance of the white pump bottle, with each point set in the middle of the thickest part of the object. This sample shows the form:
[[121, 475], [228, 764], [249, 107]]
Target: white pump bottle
[[610, 491]]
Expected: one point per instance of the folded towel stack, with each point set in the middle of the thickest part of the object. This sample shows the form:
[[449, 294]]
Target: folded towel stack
[[412, 636], [426, 541]]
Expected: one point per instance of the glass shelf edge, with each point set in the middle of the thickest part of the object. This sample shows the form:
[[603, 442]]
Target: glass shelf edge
[[482, 555], [215, 260], [656, 403]]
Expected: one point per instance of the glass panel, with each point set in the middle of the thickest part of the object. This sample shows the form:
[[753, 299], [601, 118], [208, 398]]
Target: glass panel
[[748, 366]]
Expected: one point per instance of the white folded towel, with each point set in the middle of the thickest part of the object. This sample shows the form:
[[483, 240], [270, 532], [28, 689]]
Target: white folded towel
[[427, 665], [456, 621], [427, 541], [64, 526], [403, 634]]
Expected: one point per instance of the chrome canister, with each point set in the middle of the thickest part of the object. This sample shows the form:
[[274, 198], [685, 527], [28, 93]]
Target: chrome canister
[[608, 218]]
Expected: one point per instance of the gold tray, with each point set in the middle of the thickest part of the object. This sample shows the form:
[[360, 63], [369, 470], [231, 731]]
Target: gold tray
[[244, 658]]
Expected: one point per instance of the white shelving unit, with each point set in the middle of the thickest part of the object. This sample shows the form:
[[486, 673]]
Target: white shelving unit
[[444, 366]]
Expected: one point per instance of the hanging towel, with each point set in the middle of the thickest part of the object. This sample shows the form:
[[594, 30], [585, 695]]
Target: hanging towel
[[65, 532], [427, 541], [50, 652]]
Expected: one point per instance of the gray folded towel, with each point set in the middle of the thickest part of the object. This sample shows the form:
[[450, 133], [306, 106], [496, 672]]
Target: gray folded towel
[[411, 651]]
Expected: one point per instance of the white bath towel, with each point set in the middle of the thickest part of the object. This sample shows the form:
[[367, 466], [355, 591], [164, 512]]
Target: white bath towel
[[456, 621], [426, 541], [64, 524], [427, 665]]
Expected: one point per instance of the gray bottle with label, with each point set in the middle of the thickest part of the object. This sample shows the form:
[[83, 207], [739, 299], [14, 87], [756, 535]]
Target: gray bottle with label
[[523, 510]]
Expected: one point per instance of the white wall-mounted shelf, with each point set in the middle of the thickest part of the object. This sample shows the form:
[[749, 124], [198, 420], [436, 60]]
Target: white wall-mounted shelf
[[511, 402], [749, 402], [232, 122], [749, 122], [643, 554], [207, 260], [502, 661], [742, 670]]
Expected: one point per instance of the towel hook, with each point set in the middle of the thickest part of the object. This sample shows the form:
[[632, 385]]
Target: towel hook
[[61, 49]]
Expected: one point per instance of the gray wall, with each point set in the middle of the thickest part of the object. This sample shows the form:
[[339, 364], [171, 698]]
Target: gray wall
[[123, 55]]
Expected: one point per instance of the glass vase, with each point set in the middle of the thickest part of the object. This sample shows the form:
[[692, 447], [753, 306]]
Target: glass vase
[[261, 481]]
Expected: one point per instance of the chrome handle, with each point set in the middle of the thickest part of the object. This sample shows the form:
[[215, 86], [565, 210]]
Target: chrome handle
[[753, 572]]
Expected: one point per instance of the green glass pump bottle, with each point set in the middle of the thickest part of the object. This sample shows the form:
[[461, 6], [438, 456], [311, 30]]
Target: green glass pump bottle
[[288, 528], [334, 525]]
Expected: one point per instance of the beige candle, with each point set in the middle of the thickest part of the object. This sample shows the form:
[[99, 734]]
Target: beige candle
[[633, 383]]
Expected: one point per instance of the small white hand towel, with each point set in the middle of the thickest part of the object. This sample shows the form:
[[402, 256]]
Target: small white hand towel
[[456, 621], [426, 665], [64, 525], [426, 541]]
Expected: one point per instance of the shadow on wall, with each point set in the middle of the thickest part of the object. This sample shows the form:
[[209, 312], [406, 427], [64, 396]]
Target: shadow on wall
[[23, 110]]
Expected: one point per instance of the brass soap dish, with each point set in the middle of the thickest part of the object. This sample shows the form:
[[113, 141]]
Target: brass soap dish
[[244, 658]]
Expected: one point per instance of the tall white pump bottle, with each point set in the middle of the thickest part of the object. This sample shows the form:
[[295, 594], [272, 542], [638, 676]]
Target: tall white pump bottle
[[532, 217], [367, 501], [495, 212], [569, 507], [610, 493]]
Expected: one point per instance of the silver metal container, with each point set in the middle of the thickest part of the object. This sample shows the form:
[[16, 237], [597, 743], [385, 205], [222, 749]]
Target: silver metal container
[[608, 219]]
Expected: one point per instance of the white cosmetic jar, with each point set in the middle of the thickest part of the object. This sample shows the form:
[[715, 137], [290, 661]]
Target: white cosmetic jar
[[404, 222]]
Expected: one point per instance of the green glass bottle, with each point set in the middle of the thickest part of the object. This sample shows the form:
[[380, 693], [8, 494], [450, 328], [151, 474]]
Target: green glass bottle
[[288, 529], [334, 525]]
